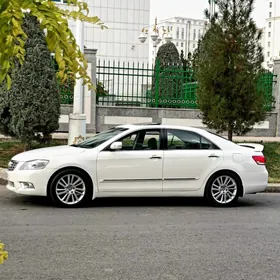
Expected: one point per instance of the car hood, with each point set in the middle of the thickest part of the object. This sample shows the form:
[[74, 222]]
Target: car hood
[[46, 153]]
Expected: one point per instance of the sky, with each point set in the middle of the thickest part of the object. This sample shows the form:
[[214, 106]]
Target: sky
[[194, 9]]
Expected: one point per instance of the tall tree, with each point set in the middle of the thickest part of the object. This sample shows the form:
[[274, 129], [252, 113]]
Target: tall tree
[[228, 63], [54, 21], [30, 109]]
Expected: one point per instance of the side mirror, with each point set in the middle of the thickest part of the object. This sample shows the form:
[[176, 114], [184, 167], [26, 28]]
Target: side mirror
[[116, 146]]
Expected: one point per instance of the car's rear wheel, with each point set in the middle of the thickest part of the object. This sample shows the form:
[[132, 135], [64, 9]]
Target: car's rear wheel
[[223, 189], [70, 188]]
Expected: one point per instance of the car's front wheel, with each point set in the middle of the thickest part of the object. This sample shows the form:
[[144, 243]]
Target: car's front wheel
[[70, 188], [223, 189]]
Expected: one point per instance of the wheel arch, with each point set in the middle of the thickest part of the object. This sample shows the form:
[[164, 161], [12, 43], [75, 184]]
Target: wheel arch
[[222, 171], [85, 173]]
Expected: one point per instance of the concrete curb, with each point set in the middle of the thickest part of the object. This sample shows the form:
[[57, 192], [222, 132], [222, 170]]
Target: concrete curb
[[3, 181], [271, 188], [3, 176]]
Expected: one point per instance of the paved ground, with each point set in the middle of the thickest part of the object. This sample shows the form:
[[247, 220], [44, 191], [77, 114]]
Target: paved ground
[[157, 239]]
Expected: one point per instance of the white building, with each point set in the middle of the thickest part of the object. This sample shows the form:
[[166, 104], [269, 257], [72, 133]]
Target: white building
[[185, 32], [272, 31], [125, 20]]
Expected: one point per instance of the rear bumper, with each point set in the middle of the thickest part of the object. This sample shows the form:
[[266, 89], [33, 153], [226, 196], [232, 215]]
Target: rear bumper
[[255, 183]]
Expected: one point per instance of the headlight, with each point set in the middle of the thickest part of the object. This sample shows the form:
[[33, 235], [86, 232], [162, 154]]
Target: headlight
[[35, 164]]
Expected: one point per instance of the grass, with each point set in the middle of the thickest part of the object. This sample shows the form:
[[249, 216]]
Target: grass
[[271, 151], [9, 148], [272, 154]]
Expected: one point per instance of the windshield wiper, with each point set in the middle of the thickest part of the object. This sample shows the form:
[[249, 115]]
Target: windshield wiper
[[81, 146], [75, 145]]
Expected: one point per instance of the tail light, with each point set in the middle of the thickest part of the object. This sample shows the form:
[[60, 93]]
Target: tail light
[[260, 160]]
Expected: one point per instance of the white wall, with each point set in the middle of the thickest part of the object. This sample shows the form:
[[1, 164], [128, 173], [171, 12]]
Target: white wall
[[125, 20], [272, 30], [185, 39]]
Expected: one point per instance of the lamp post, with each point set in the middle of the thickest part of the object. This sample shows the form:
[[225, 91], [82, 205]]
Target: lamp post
[[158, 34], [212, 7], [77, 120], [270, 63]]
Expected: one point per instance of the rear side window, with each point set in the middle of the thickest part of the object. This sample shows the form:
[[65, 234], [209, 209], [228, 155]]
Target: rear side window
[[186, 140]]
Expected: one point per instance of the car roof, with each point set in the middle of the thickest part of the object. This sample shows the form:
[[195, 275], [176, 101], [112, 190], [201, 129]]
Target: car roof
[[218, 140], [158, 125]]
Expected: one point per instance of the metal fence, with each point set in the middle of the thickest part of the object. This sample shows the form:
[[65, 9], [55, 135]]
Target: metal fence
[[123, 84], [265, 87], [172, 87], [139, 85], [159, 86], [66, 92]]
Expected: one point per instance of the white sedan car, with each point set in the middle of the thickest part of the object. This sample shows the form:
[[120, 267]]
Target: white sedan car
[[142, 160]]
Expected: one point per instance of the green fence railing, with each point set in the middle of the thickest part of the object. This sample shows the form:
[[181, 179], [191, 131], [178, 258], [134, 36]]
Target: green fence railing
[[126, 83], [265, 87], [162, 86], [66, 93], [172, 87]]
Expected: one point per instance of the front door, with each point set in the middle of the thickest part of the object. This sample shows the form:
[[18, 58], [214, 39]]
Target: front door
[[188, 159], [137, 167]]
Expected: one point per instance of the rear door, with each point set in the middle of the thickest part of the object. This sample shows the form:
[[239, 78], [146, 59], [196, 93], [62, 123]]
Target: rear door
[[188, 159]]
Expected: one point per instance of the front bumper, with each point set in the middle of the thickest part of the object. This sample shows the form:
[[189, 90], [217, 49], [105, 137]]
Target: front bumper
[[29, 182]]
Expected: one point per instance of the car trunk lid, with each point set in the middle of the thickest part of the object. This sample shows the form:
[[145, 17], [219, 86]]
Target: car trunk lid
[[255, 147]]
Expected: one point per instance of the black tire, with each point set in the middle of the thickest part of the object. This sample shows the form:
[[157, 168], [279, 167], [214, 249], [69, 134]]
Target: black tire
[[232, 194], [83, 190]]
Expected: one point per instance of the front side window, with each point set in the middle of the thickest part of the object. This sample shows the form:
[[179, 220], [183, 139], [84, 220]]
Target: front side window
[[187, 140], [100, 138], [141, 140]]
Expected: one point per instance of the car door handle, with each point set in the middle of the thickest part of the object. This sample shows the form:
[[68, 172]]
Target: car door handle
[[214, 156], [155, 157]]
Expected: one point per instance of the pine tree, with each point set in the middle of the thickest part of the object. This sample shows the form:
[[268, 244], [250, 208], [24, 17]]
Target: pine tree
[[228, 63], [32, 105]]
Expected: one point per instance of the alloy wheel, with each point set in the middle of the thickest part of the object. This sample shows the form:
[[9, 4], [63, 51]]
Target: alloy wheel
[[224, 189], [70, 189]]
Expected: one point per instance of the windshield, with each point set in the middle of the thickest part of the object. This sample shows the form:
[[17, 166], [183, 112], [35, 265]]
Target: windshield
[[100, 138]]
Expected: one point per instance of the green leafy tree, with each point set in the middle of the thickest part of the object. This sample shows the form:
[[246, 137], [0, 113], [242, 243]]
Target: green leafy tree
[[168, 77], [228, 63], [30, 109], [60, 40]]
